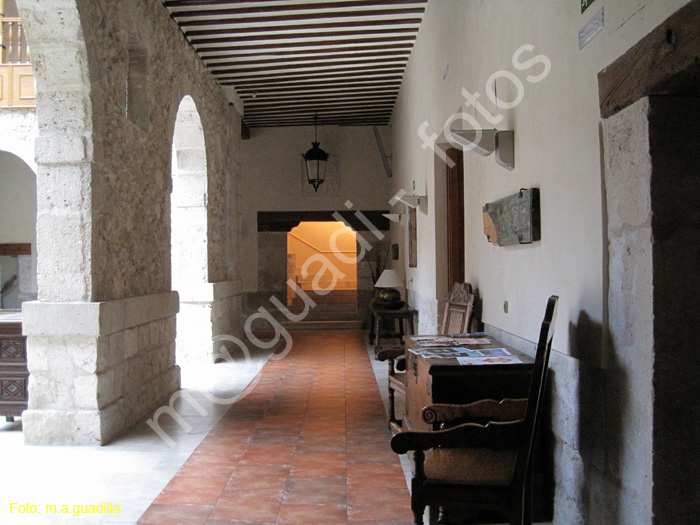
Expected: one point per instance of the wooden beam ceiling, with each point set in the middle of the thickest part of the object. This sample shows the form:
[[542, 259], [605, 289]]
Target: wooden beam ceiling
[[291, 60]]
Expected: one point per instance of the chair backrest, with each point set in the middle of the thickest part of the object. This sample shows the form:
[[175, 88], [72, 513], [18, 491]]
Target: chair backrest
[[538, 387], [458, 309]]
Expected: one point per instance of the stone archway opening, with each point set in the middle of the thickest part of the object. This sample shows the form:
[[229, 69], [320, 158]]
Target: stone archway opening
[[188, 209], [311, 241], [17, 232]]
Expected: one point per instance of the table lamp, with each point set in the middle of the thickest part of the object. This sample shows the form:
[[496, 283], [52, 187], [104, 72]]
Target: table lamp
[[388, 282]]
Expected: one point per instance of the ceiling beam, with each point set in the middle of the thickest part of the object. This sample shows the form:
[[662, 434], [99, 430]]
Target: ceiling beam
[[301, 88], [224, 68], [289, 6], [295, 94], [377, 71], [296, 57], [360, 34], [325, 15], [319, 102], [328, 5], [368, 41], [278, 31], [255, 84]]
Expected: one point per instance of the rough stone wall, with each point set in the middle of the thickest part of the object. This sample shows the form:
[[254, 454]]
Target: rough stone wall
[[104, 182], [131, 178]]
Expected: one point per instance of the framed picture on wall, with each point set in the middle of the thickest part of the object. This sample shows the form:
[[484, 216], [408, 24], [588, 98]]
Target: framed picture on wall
[[412, 239]]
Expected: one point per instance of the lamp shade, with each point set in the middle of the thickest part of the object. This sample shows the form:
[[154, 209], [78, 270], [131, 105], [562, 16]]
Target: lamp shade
[[389, 279]]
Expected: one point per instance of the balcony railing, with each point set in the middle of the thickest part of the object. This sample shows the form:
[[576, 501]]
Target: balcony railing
[[14, 43], [16, 77]]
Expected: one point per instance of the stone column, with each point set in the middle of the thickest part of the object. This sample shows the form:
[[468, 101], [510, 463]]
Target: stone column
[[630, 363]]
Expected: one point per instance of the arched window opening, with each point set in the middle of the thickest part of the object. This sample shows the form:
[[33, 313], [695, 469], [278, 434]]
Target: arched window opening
[[189, 237]]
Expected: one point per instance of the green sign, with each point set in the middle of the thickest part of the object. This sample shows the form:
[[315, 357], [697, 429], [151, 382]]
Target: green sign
[[585, 4]]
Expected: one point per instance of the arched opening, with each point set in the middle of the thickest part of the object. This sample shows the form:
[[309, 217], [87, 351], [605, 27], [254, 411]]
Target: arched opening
[[188, 207], [322, 260], [310, 242], [17, 232]]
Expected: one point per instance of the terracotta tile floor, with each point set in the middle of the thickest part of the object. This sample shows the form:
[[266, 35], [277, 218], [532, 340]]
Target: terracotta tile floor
[[308, 445]]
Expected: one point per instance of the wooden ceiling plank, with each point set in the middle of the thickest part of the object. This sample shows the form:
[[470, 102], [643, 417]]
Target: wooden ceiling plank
[[257, 83], [353, 43], [294, 111], [276, 30], [383, 122], [222, 69], [203, 3], [362, 34], [322, 102], [322, 118], [308, 119], [326, 112], [292, 6], [325, 15], [317, 57], [355, 92], [301, 54], [325, 86], [374, 71]]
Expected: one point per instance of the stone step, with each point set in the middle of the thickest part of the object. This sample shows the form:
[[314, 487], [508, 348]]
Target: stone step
[[331, 307], [330, 298], [323, 325], [336, 291], [320, 315]]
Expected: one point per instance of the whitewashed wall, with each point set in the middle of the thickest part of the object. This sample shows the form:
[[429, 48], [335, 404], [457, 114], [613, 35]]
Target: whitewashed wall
[[272, 179], [558, 146]]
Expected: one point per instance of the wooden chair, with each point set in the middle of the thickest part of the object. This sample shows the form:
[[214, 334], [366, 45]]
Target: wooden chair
[[481, 466], [456, 317], [457, 312]]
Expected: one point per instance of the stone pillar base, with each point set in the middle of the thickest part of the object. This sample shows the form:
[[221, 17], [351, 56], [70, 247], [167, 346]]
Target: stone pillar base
[[97, 368], [206, 311]]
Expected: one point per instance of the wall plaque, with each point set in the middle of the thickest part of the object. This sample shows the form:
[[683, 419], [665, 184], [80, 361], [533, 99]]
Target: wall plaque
[[514, 219]]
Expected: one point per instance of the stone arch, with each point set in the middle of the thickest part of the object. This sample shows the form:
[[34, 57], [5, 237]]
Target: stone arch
[[63, 148], [17, 226], [19, 135], [189, 236]]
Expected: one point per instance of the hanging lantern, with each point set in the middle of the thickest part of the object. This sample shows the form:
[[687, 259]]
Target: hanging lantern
[[316, 161]]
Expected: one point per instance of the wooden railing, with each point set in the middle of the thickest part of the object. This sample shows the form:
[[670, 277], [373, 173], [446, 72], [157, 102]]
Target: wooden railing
[[16, 77], [13, 42]]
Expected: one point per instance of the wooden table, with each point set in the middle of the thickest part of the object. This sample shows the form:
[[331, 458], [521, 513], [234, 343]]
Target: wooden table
[[380, 314], [433, 379], [14, 375]]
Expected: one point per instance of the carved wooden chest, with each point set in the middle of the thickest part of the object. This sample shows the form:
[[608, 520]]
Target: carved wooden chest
[[14, 375]]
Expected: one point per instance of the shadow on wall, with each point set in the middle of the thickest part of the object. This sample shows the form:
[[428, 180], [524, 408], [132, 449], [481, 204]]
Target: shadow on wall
[[602, 405]]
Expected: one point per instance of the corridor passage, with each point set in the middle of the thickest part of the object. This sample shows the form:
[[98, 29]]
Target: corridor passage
[[309, 444]]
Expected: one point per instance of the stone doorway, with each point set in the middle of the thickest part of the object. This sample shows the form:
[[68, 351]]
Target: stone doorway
[[188, 213], [650, 106], [322, 261]]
